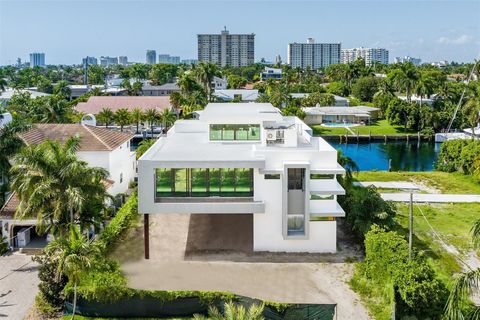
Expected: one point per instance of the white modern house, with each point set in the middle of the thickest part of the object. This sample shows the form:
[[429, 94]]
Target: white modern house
[[247, 158], [271, 73], [340, 115]]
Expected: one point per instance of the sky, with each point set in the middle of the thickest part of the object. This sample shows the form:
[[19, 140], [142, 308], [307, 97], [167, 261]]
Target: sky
[[68, 30]]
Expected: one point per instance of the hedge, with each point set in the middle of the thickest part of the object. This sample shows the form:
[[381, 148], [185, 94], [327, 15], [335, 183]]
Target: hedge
[[459, 155]]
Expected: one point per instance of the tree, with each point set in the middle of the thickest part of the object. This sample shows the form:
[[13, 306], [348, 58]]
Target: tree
[[45, 85], [365, 88], [73, 256], [106, 116], [405, 78], [472, 108], [152, 116], [144, 146], [205, 73], [167, 117], [236, 82], [424, 87], [58, 188], [234, 312], [62, 89], [136, 116], [3, 84], [122, 118], [350, 167], [162, 73]]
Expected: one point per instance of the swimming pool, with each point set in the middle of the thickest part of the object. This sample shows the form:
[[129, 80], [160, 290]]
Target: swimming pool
[[346, 124]]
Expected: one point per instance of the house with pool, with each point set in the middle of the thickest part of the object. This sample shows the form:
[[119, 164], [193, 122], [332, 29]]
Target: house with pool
[[246, 159], [340, 116]]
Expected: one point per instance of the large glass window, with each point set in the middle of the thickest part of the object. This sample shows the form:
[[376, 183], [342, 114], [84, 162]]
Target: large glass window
[[203, 182], [234, 132]]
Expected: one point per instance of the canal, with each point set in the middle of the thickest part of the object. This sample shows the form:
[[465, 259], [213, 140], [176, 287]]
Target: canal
[[405, 156]]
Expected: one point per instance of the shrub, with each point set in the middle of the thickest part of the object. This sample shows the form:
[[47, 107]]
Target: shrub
[[50, 286], [365, 207], [387, 268], [3, 246], [44, 307], [118, 226], [458, 155]]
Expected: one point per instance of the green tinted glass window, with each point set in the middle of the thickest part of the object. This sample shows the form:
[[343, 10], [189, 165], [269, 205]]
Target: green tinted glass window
[[216, 132], [164, 182], [244, 182], [228, 182], [241, 133], [215, 181], [180, 182], [254, 132], [319, 176], [199, 182], [228, 133]]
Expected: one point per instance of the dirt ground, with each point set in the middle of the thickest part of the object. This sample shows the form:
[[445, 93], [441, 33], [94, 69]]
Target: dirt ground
[[185, 255]]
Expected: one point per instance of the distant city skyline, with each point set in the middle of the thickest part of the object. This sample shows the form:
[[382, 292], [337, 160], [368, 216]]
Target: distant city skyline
[[430, 30]]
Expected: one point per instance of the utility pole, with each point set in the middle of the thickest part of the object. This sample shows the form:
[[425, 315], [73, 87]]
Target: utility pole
[[410, 228]]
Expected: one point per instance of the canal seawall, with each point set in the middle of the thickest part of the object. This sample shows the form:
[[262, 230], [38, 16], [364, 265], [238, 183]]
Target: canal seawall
[[345, 138]]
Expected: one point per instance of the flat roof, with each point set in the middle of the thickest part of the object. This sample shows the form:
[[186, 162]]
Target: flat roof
[[240, 112], [358, 110]]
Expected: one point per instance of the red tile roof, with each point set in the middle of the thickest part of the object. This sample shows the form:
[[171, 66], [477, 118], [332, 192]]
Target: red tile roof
[[91, 138], [10, 207], [96, 103]]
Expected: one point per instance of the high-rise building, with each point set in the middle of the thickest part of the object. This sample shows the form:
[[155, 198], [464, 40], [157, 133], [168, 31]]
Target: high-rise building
[[415, 61], [313, 55], [89, 60], [225, 49], [37, 59], [108, 61], [189, 61], [123, 60], [166, 58], [370, 55], [151, 57]]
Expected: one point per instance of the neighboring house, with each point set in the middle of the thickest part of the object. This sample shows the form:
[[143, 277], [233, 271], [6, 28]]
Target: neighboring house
[[6, 95], [430, 100], [339, 101], [247, 160], [95, 104], [219, 83], [271, 73], [163, 90], [340, 115], [236, 94], [99, 147], [76, 90]]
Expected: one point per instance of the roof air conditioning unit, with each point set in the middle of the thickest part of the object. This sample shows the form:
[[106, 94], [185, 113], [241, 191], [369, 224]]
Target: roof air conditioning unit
[[271, 135]]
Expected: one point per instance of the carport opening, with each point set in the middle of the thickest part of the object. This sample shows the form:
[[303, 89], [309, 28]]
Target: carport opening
[[209, 233], [28, 237]]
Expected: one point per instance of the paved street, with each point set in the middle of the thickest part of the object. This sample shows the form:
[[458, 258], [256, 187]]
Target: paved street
[[431, 198], [18, 285]]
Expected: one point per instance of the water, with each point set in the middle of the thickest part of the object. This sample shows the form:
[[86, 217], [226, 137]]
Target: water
[[406, 156]]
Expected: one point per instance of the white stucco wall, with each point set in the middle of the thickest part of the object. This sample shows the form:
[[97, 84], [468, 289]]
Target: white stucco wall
[[120, 160]]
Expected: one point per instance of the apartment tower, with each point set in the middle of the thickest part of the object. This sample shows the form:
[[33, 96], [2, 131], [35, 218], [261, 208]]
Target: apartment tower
[[225, 49], [313, 55]]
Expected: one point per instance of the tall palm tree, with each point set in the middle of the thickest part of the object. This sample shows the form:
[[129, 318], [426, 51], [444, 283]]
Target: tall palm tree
[[73, 256], [167, 117], [187, 84], [136, 117], [472, 110], [62, 89], [466, 285], [58, 188], [144, 146], [349, 165], [205, 73], [122, 117], [404, 78], [152, 116], [106, 116], [424, 87]]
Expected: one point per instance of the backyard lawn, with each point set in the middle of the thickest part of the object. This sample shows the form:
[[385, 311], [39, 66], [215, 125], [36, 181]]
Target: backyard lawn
[[455, 183], [380, 127]]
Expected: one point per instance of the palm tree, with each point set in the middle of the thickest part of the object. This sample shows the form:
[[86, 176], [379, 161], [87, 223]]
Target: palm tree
[[167, 117], [187, 84], [137, 88], [205, 73], [349, 165], [122, 117], [136, 116], [424, 87], [106, 115], [152, 116], [405, 77], [233, 312], [3, 84], [62, 89], [73, 256], [176, 100], [58, 188], [144, 146], [465, 286], [472, 111]]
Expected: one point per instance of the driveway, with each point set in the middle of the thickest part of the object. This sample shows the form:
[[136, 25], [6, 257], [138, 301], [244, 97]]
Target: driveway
[[18, 285], [176, 264]]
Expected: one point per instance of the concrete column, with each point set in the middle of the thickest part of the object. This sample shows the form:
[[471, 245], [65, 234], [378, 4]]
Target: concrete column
[[146, 236]]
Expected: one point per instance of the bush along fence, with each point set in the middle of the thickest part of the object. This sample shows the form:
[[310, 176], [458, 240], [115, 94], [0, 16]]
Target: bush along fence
[[187, 304]]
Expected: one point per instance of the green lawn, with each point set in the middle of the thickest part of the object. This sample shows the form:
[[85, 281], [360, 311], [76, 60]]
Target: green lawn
[[452, 222], [380, 127], [455, 182]]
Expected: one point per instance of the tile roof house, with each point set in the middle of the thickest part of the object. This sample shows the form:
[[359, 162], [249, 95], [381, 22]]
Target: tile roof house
[[95, 104], [99, 147]]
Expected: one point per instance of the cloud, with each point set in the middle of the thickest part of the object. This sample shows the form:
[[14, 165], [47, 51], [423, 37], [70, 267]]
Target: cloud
[[463, 39]]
